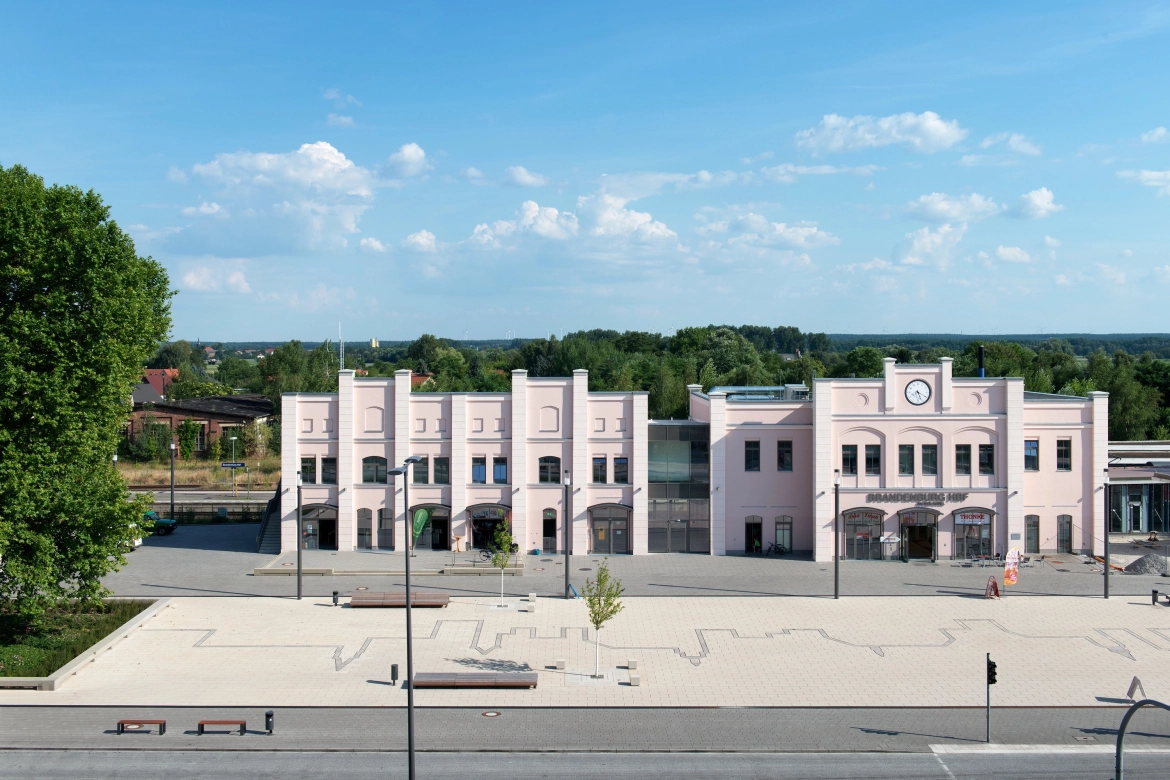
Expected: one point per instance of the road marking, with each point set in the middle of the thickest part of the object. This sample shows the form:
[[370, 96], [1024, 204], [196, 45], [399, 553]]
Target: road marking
[[946, 768], [1079, 749]]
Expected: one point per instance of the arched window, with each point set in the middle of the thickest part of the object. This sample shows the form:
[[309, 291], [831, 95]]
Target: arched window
[[365, 525], [374, 470], [550, 469]]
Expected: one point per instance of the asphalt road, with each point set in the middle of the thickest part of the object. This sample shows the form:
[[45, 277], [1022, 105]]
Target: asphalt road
[[99, 765]]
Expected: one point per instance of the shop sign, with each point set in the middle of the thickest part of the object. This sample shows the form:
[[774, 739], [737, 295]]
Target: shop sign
[[1011, 567], [972, 518], [918, 499], [862, 516]]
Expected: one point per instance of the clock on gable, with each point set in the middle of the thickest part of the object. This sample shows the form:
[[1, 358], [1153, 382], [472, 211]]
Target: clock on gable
[[918, 392]]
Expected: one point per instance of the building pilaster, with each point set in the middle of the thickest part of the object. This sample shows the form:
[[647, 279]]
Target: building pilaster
[[346, 517], [580, 465], [718, 472], [519, 471], [823, 460], [1014, 462], [460, 466], [1100, 462], [640, 430], [290, 464]]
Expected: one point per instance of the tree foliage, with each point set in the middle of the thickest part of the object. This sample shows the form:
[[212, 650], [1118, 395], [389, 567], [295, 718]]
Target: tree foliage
[[81, 315]]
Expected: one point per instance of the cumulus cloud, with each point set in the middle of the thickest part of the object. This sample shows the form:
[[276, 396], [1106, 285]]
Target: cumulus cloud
[[755, 230], [1014, 141], [926, 132], [940, 207], [205, 279], [473, 175], [1038, 204], [340, 120], [1012, 254], [422, 241], [522, 177], [632, 186], [340, 100], [609, 217], [1052, 243], [410, 161], [176, 175], [757, 158], [787, 172], [1160, 179], [318, 167], [1159, 135], [372, 244], [930, 247], [532, 218], [204, 209]]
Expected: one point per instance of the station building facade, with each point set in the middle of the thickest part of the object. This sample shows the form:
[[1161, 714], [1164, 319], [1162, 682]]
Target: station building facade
[[925, 465]]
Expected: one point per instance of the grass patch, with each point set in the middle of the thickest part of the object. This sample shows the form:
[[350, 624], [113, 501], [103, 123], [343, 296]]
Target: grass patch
[[265, 472], [37, 647]]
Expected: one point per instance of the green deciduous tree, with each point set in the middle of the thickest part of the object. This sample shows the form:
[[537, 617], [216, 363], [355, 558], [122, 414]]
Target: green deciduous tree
[[603, 597], [188, 435], [81, 313], [502, 543]]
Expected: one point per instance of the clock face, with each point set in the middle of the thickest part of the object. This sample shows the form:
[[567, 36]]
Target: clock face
[[918, 392]]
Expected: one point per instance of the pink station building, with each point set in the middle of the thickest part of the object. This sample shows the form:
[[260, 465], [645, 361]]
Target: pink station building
[[924, 465]]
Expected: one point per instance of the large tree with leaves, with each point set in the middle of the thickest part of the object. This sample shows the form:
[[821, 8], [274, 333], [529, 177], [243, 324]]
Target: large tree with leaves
[[80, 314]]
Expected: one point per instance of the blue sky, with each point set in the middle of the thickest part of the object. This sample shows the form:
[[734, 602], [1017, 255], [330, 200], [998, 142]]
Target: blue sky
[[489, 168]]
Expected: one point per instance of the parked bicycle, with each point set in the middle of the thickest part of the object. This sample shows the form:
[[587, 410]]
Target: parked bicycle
[[778, 549]]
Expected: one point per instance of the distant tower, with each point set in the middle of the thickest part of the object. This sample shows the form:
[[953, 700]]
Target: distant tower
[[374, 343], [340, 349]]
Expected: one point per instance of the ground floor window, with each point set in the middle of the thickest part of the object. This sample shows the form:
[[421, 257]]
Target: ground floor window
[[974, 537], [385, 529], [484, 519], [679, 525], [1064, 534], [609, 530], [863, 534], [432, 527], [784, 532], [753, 534], [365, 528]]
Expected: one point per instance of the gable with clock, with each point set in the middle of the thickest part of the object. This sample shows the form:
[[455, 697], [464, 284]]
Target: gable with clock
[[918, 392]]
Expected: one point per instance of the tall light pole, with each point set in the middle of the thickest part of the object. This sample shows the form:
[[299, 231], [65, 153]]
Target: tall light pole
[[567, 522], [233, 467], [1108, 523], [172, 480], [836, 533], [300, 535], [402, 471]]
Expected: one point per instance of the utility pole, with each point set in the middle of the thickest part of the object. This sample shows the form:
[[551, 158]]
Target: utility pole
[[300, 535], [990, 682], [172, 480], [402, 471], [1108, 523], [836, 533], [233, 438], [567, 523]]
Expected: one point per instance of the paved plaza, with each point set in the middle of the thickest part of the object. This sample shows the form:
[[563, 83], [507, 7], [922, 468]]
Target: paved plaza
[[691, 652]]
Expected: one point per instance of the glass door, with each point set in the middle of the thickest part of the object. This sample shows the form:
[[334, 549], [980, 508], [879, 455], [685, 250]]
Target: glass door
[[601, 536], [619, 537], [1064, 534], [754, 536], [1032, 534]]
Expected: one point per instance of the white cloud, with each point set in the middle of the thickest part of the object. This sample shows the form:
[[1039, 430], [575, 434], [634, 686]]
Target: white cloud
[[632, 186], [1052, 243], [204, 209], [422, 241], [1159, 135], [473, 175], [522, 177], [340, 100], [318, 167], [1112, 273], [940, 207], [1012, 254], [1014, 141], [926, 132], [876, 264], [204, 279], [609, 217], [1038, 204], [788, 173], [930, 247], [409, 161], [1062, 280], [372, 244], [544, 221], [758, 158], [755, 230], [174, 174], [318, 297], [340, 120], [1150, 179]]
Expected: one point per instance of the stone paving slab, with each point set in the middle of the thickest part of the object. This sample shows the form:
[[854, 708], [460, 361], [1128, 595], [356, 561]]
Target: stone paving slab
[[692, 652]]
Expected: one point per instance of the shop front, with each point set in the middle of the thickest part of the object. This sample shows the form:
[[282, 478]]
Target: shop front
[[863, 534], [484, 519], [609, 530], [432, 527], [974, 533]]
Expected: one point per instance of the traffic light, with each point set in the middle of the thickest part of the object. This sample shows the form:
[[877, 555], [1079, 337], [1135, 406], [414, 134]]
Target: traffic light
[[990, 672]]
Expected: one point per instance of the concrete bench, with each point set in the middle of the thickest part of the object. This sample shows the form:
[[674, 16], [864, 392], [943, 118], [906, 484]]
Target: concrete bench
[[475, 680], [437, 600], [162, 725], [243, 724]]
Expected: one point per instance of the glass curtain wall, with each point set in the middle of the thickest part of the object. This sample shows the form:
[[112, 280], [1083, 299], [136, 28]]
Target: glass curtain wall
[[679, 491]]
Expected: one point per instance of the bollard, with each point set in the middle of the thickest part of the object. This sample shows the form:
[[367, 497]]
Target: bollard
[[1154, 597], [393, 673], [269, 718], [561, 663], [635, 679], [335, 598], [632, 663]]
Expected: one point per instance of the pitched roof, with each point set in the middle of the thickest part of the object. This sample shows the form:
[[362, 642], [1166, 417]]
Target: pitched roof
[[247, 405]]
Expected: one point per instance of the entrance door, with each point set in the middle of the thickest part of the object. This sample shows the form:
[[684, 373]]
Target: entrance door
[[484, 520], [919, 541], [1064, 533], [328, 540], [601, 536], [550, 531], [753, 535], [1032, 534], [677, 528], [365, 529], [310, 535], [619, 537]]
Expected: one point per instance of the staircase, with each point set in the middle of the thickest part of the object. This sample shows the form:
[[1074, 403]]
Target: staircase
[[268, 540]]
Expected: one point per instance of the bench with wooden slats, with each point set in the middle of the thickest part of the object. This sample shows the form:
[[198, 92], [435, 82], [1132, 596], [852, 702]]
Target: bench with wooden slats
[[475, 680], [399, 600], [162, 725], [241, 724]]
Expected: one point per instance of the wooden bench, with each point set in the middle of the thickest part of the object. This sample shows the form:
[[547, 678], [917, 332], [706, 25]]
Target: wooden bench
[[475, 680], [243, 724], [162, 725], [399, 600]]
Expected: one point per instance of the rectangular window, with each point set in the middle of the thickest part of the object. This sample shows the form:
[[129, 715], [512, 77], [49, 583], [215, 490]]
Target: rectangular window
[[479, 471], [621, 471], [442, 471], [849, 460], [906, 460], [751, 456], [422, 472], [309, 471], [873, 460], [963, 460], [929, 460], [784, 456], [599, 469], [1064, 454], [500, 471], [1031, 454], [328, 471], [986, 459]]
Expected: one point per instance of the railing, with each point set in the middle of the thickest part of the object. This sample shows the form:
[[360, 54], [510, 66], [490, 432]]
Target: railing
[[1119, 765]]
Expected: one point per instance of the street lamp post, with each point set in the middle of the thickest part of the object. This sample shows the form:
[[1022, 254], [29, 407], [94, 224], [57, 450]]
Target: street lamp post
[[402, 471], [1108, 522], [836, 533], [567, 518], [300, 536], [172, 480], [233, 438]]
